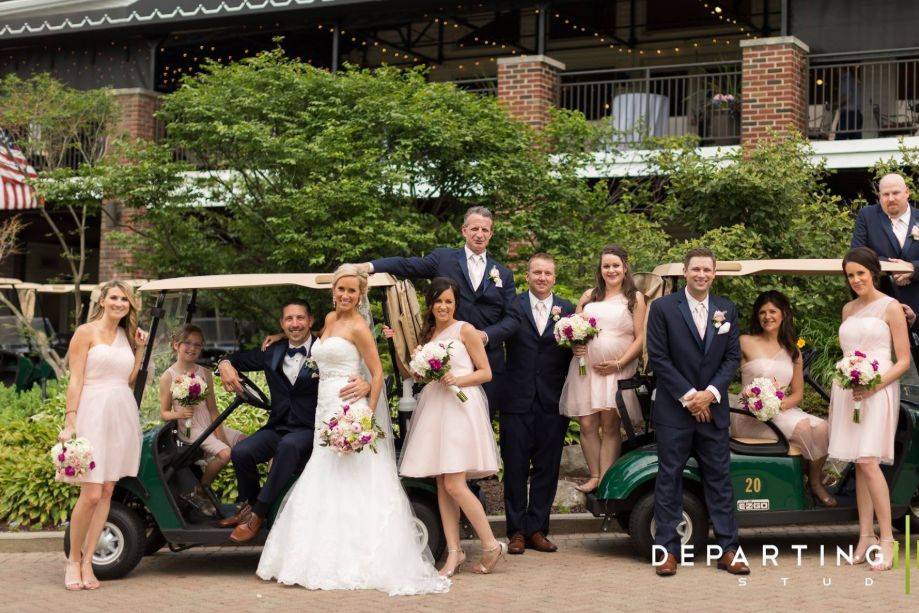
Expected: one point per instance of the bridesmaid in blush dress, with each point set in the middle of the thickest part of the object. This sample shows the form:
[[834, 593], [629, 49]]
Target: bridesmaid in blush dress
[[770, 350], [453, 440], [104, 357], [874, 324], [620, 310]]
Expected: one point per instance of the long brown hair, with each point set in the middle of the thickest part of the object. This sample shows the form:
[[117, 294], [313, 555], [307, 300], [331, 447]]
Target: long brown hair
[[787, 335], [629, 290], [438, 286], [866, 257], [129, 321]]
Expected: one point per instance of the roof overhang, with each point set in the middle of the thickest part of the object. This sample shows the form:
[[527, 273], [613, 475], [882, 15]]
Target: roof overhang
[[307, 280], [800, 267]]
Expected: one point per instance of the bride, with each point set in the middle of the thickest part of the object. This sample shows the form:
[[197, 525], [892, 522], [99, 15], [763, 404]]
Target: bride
[[347, 523]]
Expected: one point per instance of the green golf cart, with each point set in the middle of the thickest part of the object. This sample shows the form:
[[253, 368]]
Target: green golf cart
[[768, 474], [149, 511]]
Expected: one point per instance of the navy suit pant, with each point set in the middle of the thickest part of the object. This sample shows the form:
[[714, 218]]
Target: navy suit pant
[[289, 451], [711, 448], [530, 439]]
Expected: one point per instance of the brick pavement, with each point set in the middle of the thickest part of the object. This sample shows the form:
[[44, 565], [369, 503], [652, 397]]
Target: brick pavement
[[589, 573]]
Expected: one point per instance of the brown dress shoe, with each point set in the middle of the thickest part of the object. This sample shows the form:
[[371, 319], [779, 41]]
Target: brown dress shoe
[[540, 543], [726, 562], [247, 530], [668, 568], [242, 514], [517, 544]]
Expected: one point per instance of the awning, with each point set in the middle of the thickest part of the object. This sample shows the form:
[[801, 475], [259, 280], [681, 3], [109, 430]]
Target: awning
[[15, 193]]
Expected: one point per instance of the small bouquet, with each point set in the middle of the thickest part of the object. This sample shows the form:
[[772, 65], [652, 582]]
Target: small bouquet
[[763, 398], [576, 330], [188, 390], [857, 370], [432, 362], [72, 459], [350, 431]]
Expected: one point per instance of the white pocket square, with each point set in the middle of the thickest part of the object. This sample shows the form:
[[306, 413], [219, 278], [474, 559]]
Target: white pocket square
[[724, 328]]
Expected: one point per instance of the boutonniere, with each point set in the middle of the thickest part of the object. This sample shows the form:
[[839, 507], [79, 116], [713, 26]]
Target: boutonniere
[[311, 364], [719, 320], [914, 233], [556, 312], [495, 277]]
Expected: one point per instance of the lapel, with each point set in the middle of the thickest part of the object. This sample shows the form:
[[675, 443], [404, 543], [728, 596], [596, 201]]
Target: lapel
[[550, 323], [528, 310], [887, 227], [277, 356], [486, 278], [710, 330], [464, 267], [683, 306], [306, 373], [908, 243]]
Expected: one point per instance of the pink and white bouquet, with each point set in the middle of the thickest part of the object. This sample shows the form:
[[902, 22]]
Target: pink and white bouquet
[[857, 370], [763, 398], [432, 362], [576, 330], [350, 431], [72, 459], [188, 390]]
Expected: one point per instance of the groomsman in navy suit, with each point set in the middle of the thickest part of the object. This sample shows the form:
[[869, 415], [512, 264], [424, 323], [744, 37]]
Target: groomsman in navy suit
[[486, 287], [891, 229], [532, 430], [694, 351]]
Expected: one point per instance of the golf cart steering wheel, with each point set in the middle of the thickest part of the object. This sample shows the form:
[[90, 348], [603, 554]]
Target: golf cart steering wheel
[[251, 394]]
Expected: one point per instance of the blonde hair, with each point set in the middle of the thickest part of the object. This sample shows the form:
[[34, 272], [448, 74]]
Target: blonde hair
[[350, 270], [129, 321]]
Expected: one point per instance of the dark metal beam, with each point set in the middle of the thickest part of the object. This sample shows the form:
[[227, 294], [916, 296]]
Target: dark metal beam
[[542, 29], [335, 42]]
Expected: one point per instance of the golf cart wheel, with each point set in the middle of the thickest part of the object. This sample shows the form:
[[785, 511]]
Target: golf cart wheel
[[693, 529], [427, 521], [913, 512], [121, 545]]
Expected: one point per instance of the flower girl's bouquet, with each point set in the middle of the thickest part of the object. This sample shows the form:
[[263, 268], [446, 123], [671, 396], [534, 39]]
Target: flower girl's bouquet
[[350, 431], [188, 390], [857, 370], [763, 398], [576, 330], [432, 362], [72, 459]]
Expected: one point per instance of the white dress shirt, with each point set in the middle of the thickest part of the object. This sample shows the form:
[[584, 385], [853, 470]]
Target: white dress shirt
[[901, 225], [540, 315], [699, 310], [476, 262], [293, 364]]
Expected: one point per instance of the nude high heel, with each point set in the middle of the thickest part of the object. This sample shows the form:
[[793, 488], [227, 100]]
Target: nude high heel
[[861, 559], [485, 569], [458, 566]]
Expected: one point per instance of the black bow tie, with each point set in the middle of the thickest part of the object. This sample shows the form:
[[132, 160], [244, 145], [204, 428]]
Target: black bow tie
[[292, 351]]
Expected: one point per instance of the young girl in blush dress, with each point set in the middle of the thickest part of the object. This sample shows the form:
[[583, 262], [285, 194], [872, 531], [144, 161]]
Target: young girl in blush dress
[[453, 440], [874, 324], [770, 350], [104, 356], [620, 311]]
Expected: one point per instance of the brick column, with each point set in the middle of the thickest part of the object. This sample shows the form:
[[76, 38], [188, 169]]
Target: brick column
[[774, 87], [137, 108], [528, 86]]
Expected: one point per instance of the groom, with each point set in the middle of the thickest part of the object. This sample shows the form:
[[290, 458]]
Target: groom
[[287, 438], [694, 351]]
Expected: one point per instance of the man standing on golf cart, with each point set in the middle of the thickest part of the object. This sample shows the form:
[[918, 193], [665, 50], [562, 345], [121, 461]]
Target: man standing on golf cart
[[287, 438], [694, 351]]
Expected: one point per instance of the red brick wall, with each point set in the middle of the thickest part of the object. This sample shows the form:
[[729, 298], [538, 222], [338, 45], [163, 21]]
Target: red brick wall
[[137, 120], [528, 87], [774, 95]]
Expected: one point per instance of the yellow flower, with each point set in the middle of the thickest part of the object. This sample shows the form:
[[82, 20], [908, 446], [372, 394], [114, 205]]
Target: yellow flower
[[801, 343]]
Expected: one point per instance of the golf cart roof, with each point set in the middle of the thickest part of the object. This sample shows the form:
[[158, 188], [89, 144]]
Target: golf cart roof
[[308, 280], [741, 268]]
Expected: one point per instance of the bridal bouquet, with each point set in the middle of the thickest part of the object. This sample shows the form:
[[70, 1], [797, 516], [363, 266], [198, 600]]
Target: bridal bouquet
[[432, 362], [763, 398], [350, 431], [857, 370], [576, 330], [72, 459], [188, 390]]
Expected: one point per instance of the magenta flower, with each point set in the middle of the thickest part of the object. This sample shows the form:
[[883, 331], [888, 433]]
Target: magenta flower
[[92, 465], [346, 408], [758, 405], [194, 389], [61, 457], [333, 422], [780, 394], [860, 354], [874, 365], [855, 375], [569, 332], [69, 471], [435, 364], [755, 391], [365, 439], [593, 322]]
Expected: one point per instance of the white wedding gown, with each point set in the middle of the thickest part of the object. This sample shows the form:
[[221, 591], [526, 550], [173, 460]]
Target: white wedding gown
[[347, 524]]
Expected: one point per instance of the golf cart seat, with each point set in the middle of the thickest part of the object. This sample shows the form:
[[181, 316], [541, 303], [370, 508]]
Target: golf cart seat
[[793, 449]]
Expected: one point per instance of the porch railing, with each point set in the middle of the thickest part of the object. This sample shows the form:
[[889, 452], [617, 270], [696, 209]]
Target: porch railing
[[863, 99], [685, 99]]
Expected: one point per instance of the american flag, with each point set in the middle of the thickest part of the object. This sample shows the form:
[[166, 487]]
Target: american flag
[[15, 169]]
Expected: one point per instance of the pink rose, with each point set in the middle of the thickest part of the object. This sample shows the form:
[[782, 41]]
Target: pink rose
[[435, 364]]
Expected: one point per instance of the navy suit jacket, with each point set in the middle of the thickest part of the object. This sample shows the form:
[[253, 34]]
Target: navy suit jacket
[[536, 365], [874, 229], [293, 407], [487, 309], [682, 361]]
